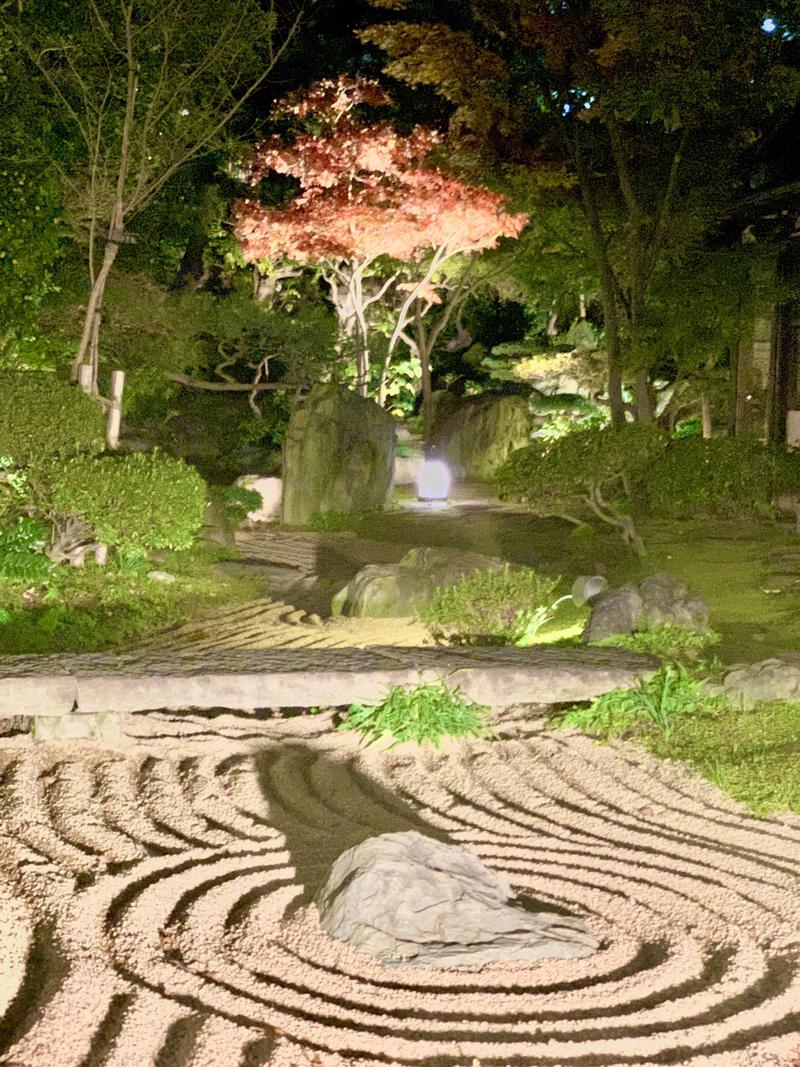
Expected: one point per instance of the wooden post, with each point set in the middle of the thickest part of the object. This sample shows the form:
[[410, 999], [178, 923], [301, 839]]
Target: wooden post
[[85, 376], [115, 408]]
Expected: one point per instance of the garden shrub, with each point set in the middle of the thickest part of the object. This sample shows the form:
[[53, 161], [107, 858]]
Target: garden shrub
[[720, 475], [41, 415], [22, 557], [424, 713], [238, 501], [132, 502], [592, 469], [671, 694], [489, 607]]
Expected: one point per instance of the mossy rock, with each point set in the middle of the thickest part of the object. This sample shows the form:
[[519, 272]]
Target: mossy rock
[[480, 435], [338, 455]]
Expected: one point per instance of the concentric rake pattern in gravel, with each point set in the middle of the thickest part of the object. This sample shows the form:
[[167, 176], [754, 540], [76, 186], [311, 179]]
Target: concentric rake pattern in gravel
[[154, 909]]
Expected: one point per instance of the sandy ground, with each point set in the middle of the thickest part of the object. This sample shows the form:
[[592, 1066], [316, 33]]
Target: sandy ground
[[156, 904]]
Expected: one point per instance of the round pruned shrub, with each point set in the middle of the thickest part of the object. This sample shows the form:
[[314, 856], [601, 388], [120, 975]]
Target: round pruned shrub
[[591, 470], [41, 416], [720, 475], [489, 607], [131, 502]]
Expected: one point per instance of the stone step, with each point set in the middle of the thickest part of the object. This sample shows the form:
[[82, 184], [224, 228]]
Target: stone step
[[246, 679]]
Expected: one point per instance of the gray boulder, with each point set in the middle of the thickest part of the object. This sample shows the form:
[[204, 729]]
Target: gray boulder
[[338, 455], [769, 679], [477, 438], [409, 899], [393, 590], [616, 612], [668, 600], [662, 599]]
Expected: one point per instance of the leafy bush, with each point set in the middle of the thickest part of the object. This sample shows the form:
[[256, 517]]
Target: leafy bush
[[139, 501], [425, 713], [722, 475], [22, 557], [14, 488], [490, 607], [671, 694], [593, 469], [238, 502], [41, 416], [673, 643]]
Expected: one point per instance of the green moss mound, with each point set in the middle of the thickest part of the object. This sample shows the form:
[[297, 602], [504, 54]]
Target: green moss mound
[[41, 415], [132, 502]]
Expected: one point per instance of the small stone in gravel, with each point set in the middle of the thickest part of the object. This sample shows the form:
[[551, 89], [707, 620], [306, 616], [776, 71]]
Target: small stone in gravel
[[410, 899]]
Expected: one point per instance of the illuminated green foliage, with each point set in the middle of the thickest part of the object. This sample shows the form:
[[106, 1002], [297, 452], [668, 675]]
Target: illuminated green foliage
[[41, 415], [491, 607], [138, 501]]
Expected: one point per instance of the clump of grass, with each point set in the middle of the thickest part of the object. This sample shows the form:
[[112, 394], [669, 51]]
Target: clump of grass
[[501, 607], [424, 713], [662, 700], [753, 755], [675, 644]]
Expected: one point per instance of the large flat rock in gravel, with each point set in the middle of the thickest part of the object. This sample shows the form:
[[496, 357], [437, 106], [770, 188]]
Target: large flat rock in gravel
[[410, 899], [245, 679]]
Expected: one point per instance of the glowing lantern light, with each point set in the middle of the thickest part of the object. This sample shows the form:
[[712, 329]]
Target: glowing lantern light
[[433, 481]]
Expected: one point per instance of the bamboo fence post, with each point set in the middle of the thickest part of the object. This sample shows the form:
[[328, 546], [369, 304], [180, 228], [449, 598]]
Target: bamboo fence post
[[115, 408]]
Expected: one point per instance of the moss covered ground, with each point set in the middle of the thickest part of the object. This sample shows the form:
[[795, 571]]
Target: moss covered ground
[[748, 571], [94, 608]]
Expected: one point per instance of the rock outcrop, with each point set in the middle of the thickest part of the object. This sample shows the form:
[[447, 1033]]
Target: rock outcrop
[[478, 436], [338, 455], [662, 599], [410, 899], [393, 590]]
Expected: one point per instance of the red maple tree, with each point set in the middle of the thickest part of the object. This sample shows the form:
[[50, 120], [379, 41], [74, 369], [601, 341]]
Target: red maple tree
[[365, 195]]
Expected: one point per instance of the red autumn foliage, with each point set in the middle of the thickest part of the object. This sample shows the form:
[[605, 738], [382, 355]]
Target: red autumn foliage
[[364, 192]]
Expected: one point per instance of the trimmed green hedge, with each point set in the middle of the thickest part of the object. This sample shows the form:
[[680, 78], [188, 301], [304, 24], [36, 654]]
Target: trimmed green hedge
[[41, 415], [132, 502], [722, 475]]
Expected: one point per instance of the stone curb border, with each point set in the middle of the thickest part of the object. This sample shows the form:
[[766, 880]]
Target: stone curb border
[[244, 680]]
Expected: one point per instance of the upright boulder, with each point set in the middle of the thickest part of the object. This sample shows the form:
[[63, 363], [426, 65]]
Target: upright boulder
[[338, 455], [478, 437]]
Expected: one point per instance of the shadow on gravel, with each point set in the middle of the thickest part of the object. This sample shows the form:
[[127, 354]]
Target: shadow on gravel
[[323, 806]]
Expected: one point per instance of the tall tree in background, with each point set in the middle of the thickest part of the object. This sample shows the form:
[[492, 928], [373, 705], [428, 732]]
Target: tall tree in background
[[648, 108], [368, 212], [139, 88]]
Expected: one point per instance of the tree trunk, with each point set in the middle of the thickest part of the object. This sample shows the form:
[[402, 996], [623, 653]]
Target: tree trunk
[[705, 417], [732, 354], [607, 287], [87, 349], [785, 350], [641, 397]]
